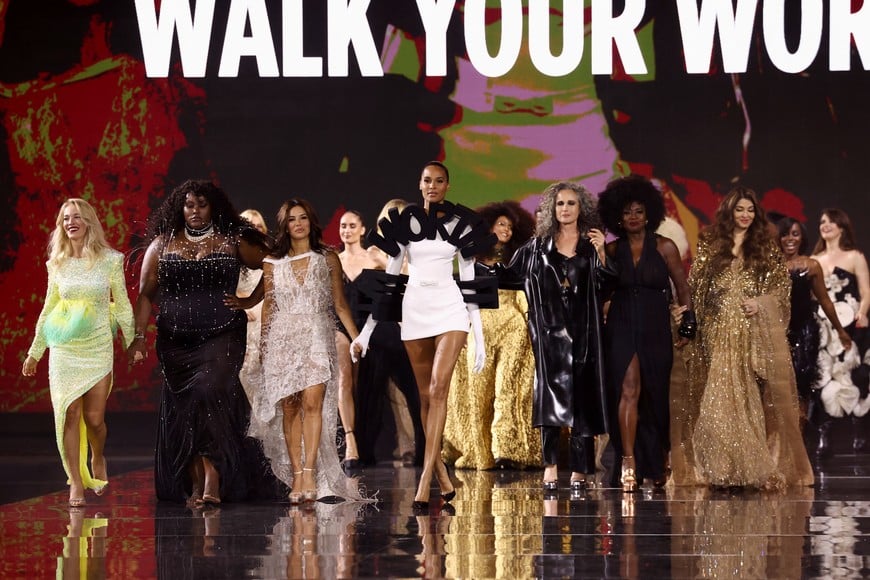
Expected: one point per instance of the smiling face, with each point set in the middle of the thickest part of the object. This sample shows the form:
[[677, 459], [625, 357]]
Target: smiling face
[[744, 214], [350, 228], [197, 211], [74, 224], [298, 224], [634, 217], [791, 241], [433, 184], [567, 207], [829, 230], [503, 229]]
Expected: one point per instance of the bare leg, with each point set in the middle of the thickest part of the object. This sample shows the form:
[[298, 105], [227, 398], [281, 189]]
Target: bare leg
[[71, 451], [211, 490], [628, 406], [345, 395], [312, 423], [197, 478], [434, 359], [94, 409], [291, 408]]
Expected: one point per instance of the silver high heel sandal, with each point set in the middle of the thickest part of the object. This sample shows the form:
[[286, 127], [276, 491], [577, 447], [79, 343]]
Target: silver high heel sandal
[[295, 497], [309, 495]]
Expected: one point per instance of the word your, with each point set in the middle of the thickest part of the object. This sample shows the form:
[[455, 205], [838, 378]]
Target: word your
[[348, 27]]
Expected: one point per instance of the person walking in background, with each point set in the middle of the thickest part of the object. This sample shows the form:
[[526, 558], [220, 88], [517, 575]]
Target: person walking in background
[[249, 279], [86, 295], [490, 423]]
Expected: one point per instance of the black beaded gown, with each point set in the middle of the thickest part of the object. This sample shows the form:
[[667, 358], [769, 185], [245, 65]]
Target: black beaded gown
[[203, 408], [803, 333], [638, 323]]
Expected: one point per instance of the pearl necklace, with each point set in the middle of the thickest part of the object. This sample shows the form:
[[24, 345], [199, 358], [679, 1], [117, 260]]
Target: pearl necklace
[[198, 235]]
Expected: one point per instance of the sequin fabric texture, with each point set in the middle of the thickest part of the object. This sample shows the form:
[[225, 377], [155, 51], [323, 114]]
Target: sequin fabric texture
[[78, 364], [746, 428]]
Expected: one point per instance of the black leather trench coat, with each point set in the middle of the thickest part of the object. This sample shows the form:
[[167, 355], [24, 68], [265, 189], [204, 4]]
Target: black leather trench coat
[[566, 333]]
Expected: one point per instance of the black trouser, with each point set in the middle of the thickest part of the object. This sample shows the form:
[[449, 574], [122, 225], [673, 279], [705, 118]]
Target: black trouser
[[581, 451]]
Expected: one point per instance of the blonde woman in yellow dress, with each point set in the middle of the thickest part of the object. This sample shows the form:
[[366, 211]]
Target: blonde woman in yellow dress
[[490, 423], [85, 290], [741, 380]]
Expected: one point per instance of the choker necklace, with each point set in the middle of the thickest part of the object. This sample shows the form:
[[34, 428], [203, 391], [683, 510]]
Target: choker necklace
[[198, 235]]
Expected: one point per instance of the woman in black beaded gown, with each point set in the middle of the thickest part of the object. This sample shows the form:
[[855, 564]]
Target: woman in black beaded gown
[[198, 244], [637, 332], [808, 292]]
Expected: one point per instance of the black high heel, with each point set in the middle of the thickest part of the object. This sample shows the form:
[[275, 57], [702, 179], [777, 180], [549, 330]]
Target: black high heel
[[450, 494], [419, 507]]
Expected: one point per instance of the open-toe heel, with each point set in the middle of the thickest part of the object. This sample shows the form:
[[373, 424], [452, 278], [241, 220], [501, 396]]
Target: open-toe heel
[[309, 495], [629, 475], [295, 497]]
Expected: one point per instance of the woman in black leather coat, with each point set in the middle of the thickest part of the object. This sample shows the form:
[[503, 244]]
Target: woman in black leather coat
[[563, 268]]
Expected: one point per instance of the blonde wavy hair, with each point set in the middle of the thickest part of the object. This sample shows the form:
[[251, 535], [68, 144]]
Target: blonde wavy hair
[[400, 204], [59, 245], [548, 226]]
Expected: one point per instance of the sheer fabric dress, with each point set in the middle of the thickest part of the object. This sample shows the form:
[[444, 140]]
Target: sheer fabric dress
[[77, 364], [746, 432], [203, 408], [298, 350], [638, 323]]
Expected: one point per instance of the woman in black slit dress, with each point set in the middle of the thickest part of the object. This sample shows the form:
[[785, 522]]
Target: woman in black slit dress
[[637, 332], [198, 245]]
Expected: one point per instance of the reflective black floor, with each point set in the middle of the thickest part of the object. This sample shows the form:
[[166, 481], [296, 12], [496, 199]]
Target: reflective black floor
[[500, 525]]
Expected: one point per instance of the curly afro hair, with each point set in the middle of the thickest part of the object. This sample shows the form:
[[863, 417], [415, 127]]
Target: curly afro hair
[[522, 222], [168, 218], [621, 192]]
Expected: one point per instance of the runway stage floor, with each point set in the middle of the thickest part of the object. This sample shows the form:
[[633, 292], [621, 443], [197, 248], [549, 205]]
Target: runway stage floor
[[500, 525]]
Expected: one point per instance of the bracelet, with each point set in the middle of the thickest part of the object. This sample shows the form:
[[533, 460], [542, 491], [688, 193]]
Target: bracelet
[[139, 335]]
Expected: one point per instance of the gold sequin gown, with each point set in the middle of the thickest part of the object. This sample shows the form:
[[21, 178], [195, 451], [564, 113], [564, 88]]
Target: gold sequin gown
[[741, 398], [490, 413], [76, 365]]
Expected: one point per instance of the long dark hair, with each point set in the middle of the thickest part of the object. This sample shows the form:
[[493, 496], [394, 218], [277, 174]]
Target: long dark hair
[[847, 236], [783, 227], [168, 218], [315, 235], [522, 224], [720, 234]]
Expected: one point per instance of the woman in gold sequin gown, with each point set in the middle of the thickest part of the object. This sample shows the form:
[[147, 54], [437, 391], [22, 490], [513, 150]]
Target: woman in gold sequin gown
[[490, 422], [746, 431], [85, 276]]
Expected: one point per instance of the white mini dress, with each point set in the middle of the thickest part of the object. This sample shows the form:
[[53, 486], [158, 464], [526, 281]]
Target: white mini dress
[[433, 303]]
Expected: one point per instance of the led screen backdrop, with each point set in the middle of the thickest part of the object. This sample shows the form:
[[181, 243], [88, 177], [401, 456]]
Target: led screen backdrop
[[82, 117]]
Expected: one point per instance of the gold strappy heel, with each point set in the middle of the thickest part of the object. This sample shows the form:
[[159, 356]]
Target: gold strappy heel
[[629, 475]]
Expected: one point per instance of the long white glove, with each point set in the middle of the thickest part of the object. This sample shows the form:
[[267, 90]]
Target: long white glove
[[479, 345], [361, 342]]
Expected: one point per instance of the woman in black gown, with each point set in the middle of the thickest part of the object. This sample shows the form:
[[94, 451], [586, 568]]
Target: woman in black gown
[[808, 293], [198, 243], [638, 329]]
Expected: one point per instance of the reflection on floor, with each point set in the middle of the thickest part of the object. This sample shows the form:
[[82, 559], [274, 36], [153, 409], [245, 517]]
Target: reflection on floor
[[499, 525]]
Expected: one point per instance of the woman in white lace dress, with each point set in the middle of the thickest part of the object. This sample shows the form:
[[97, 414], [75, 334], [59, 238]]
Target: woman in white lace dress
[[295, 409]]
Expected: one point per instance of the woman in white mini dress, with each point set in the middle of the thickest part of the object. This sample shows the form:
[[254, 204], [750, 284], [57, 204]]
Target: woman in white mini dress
[[435, 316]]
